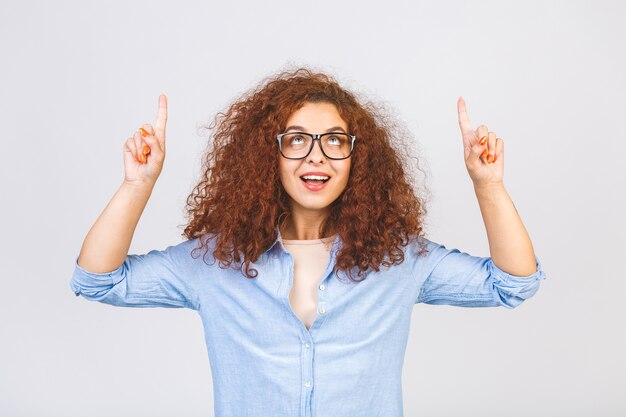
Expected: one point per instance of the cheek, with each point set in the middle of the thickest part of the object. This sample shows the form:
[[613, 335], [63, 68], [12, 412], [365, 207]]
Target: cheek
[[282, 168], [344, 171], [286, 171]]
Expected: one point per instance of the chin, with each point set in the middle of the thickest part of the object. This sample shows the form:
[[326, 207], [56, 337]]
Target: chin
[[309, 205], [313, 202]]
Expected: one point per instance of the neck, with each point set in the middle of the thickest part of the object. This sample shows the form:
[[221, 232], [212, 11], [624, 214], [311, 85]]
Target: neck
[[304, 224]]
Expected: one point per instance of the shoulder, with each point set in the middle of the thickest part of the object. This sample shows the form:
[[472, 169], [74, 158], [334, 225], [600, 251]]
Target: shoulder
[[421, 252], [421, 246], [190, 249]]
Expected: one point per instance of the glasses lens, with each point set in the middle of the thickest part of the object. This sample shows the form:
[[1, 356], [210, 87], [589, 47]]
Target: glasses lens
[[334, 145], [295, 145], [337, 145]]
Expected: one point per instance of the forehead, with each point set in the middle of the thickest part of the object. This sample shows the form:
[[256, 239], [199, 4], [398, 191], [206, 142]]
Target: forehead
[[316, 116]]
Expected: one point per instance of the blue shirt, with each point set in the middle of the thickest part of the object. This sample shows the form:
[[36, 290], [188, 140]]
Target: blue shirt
[[265, 362]]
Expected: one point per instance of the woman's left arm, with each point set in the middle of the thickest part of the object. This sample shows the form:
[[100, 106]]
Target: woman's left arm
[[509, 243]]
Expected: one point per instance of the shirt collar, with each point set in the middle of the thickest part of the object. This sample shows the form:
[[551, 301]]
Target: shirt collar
[[279, 245]]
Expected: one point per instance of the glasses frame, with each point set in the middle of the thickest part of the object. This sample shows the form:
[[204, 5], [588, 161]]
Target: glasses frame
[[315, 137]]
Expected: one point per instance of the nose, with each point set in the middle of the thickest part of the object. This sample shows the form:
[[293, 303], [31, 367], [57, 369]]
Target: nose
[[316, 154]]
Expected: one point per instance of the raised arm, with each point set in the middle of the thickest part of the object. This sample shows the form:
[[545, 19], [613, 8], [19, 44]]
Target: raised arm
[[509, 244], [104, 271], [107, 243]]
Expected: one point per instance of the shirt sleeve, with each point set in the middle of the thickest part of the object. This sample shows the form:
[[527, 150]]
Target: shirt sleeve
[[159, 278], [452, 277]]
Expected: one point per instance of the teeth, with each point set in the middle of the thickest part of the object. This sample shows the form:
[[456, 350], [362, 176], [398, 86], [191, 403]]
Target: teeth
[[315, 177]]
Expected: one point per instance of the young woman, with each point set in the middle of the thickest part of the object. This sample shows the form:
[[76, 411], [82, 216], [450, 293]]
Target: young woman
[[305, 250]]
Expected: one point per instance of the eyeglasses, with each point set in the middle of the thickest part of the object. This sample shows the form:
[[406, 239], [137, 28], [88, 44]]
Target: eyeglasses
[[298, 145]]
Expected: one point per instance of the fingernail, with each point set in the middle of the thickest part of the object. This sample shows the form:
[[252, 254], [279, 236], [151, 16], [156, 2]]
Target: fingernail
[[145, 150], [494, 158], [483, 140], [484, 153], [137, 158], [489, 158], [143, 132]]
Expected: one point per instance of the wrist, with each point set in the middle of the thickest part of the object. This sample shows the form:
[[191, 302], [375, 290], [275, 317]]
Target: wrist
[[138, 186], [492, 187]]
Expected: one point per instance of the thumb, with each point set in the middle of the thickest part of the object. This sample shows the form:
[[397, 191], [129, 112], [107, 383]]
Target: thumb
[[157, 149]]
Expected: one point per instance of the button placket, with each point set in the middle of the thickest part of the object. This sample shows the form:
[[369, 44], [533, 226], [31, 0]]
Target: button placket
[[307, 376]]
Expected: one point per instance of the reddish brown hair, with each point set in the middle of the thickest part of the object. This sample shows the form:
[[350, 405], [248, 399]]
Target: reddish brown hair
[[240, 198]]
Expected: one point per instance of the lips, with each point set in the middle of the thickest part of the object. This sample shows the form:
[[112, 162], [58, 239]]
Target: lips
[[313, 186], [315, 173], [314, 179]]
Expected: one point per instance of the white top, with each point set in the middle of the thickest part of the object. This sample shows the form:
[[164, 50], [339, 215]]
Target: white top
[[310, 261]]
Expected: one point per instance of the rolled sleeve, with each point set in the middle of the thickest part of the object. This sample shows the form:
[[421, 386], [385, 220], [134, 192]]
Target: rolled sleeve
[[512, 290], [449, 276], [154, 279]]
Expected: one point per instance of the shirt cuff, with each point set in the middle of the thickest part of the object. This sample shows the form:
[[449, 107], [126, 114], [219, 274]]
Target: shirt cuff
[[513, 289], [83, 279]]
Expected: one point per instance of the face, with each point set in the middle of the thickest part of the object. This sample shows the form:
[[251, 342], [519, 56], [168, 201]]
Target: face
[[309, 196]]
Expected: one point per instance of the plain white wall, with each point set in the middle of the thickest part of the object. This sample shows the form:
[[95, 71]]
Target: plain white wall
[[76, 78]]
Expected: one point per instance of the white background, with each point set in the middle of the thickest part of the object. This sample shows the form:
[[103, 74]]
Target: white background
[[77, 78]]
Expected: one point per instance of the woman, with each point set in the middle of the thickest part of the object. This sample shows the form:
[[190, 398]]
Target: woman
[[312, 249]]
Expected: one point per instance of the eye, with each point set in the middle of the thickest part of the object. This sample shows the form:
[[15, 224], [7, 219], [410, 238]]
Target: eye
[[297, 139], [336, 140]]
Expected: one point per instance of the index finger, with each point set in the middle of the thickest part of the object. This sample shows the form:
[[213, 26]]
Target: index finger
[[464, 122], [161, 121]]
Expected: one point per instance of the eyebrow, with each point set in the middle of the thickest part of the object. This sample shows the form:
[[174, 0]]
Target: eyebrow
[[300, 128]]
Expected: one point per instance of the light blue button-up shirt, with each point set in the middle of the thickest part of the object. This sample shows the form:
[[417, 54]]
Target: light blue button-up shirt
[[265, 362]]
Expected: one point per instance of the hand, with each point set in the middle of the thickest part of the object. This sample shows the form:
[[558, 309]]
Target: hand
[[144, 152], [484, 160]]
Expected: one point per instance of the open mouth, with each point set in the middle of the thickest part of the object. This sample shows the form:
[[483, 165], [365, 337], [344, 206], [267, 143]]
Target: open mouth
[[314, 179]]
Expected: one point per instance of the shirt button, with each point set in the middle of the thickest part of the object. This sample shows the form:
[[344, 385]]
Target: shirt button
[[307, 345], [322, 287], [307, 384], [322, 310]]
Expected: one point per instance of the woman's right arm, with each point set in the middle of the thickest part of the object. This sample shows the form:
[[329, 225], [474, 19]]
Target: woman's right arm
[[106, 245], [104, 271]]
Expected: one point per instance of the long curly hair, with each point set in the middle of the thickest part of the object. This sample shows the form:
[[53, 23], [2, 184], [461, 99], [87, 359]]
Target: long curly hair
[[240, 199]]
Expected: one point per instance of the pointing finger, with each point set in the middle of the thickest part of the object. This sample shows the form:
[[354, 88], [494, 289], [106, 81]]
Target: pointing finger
[[464, 122], [161, 118]]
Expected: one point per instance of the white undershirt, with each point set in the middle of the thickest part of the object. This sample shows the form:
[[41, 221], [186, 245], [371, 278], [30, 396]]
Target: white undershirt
[[310, 261]]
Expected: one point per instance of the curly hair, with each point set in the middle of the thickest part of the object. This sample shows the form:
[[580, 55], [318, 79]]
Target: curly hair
[[240, 199]]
